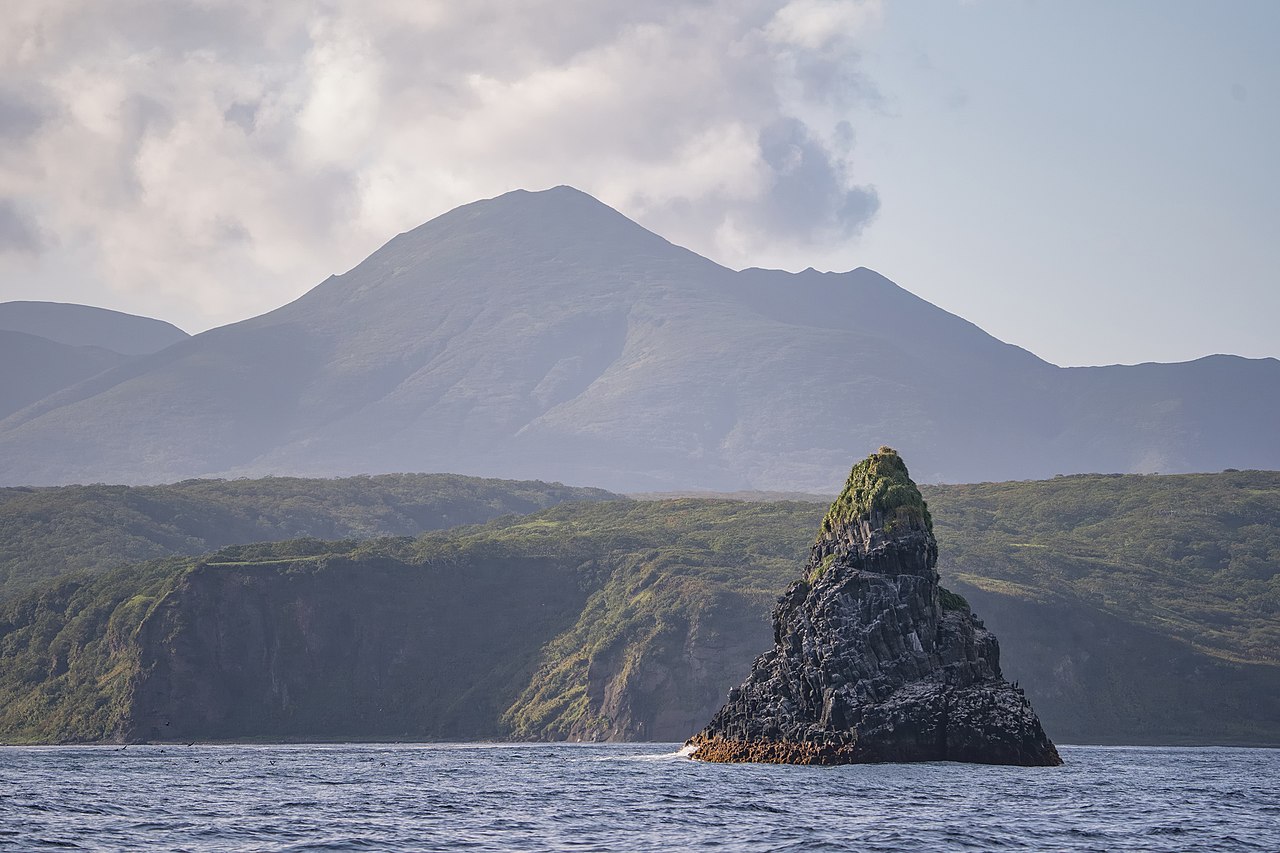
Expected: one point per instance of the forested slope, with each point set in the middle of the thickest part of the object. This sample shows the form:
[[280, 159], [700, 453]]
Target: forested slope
[[47, 532]]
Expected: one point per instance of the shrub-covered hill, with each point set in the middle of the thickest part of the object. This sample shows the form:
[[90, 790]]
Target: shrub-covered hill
[[630, 620], [1192, 556], [47, 532]]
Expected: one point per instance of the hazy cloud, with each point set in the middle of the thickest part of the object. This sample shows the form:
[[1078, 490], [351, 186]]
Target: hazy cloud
[[225, 156], [809, 195], [17, 232], [19, 117]]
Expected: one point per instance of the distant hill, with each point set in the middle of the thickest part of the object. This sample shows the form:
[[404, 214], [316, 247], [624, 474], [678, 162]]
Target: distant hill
[[35, 367], [48, 532], [86, 326], [1131, 609], [544, 335]]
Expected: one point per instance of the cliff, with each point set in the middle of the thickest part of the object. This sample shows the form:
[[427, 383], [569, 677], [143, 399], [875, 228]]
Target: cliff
[[337, 646], [1134, 610], [873, 661]]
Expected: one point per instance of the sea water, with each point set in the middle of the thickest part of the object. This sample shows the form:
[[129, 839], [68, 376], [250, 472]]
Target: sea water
[[619, 797]]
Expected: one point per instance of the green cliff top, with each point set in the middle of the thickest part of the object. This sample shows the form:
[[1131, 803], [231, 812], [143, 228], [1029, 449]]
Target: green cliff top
[[881, 483]]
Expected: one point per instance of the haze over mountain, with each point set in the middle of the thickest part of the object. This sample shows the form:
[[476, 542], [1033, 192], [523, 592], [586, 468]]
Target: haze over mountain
[[86, 326], [544, 335], [48, 346], [35, 367]]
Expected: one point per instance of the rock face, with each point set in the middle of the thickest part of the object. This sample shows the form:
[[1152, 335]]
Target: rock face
[[873, 661], [336, 648]]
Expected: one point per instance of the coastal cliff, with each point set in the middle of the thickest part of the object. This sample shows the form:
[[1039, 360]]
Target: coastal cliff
[[1133, 609], [330, 647], [873, 660]]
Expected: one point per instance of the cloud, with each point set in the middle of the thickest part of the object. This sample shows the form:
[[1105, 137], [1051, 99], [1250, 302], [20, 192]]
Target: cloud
[[220, 158], [19, 117], [809, 195], [18, 233], [819, 24]]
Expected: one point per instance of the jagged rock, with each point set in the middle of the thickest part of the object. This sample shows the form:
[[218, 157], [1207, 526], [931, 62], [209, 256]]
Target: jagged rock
[[873, 660]]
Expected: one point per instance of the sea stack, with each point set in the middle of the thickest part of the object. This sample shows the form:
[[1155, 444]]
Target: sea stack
[[873, 661]]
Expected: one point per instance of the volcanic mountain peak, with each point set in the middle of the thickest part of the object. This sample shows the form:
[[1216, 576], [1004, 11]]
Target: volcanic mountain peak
[[544, 221], [545, 335]]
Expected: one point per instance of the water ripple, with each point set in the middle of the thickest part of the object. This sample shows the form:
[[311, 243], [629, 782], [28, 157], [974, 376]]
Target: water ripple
[[588, 798]]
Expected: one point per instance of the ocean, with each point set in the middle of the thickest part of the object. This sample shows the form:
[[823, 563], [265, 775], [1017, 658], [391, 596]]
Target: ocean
[[620, 797]]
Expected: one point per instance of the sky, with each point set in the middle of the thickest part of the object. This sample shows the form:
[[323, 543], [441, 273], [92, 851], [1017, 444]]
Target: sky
[[1093, 180]]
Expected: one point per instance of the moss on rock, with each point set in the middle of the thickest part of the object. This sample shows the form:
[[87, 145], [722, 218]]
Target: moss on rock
[[821, 567], [879, 483], [949, 600]]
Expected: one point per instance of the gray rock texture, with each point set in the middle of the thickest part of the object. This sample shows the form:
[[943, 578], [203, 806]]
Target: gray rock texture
[[873, 661]]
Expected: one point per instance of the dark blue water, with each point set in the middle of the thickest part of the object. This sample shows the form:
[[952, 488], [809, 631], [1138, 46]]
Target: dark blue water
[[624, 797]]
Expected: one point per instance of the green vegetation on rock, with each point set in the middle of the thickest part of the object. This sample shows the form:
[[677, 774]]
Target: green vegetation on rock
[[681, 581], [949, 600], [1133, 609], [880, 483], [70, 656], [820, 568]]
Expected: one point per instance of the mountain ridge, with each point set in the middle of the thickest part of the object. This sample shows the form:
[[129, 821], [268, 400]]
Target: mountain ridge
[[37, 368], [544, 335], [79, 325]]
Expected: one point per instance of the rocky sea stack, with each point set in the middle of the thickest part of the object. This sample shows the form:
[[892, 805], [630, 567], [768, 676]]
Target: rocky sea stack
[[873, 660]]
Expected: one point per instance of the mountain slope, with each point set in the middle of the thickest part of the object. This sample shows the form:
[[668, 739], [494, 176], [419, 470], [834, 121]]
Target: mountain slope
[[544, 335], [35, 367], [86, 326]]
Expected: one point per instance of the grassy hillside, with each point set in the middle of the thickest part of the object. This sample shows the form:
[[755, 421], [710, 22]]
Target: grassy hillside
[[69, 656], [1131, 609], [49, 532], [1195, 556], [680, 610]]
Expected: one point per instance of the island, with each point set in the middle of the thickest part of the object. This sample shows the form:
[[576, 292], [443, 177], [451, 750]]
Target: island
[[873, 660]]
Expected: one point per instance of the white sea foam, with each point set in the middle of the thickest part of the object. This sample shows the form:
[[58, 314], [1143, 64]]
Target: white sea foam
[[682, 752]]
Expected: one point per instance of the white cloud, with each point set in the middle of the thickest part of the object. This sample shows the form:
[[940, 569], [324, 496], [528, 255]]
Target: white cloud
[[819, 24], [207, 160]]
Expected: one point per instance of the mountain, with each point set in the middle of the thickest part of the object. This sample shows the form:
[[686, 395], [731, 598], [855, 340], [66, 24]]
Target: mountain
[[546, 336], [49, 346], [1133, 610], [35, 367], [86, 326]]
